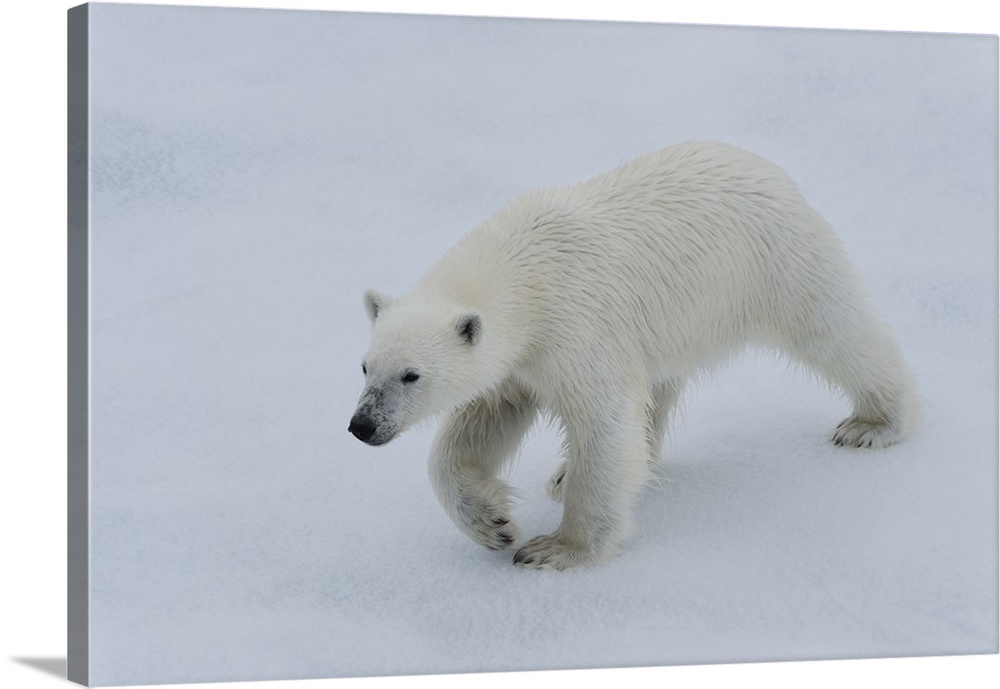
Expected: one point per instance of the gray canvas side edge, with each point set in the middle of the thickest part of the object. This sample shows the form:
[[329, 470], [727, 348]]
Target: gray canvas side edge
[[78, 383]]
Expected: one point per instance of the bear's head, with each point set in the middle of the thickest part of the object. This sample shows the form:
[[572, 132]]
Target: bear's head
[[423, 359]]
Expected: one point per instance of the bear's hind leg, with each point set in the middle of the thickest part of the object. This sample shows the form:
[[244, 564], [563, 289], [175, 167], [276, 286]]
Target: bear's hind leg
[[659, 411], [666, 395], [847, 345], [471, 447], [881, 390], [608, 464]]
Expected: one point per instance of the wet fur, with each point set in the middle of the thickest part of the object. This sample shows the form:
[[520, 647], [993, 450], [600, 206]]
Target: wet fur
[[596, 304]]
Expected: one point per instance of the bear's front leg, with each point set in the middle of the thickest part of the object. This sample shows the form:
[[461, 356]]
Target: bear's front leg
[[473, 444], [606, 467]]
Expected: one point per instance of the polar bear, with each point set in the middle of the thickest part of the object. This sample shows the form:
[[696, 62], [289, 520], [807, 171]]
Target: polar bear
[[594, 304]]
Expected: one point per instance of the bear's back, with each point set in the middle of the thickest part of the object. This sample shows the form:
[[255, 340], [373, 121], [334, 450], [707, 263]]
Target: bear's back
[[677, 240]]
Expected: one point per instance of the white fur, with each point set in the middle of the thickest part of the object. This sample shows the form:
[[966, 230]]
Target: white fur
[[595, 303]]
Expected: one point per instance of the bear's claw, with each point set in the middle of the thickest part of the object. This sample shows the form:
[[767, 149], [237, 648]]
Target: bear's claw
[[498, 539], [556, 487]]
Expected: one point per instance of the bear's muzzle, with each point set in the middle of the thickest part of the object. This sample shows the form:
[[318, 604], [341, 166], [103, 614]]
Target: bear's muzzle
[[362, 428]]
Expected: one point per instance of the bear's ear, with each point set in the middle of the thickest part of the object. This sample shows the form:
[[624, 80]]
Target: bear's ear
[[470, 328], [375, 302]]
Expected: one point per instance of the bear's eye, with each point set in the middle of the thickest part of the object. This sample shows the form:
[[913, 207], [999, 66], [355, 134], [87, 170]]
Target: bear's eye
[[364, 369], [410, 377]]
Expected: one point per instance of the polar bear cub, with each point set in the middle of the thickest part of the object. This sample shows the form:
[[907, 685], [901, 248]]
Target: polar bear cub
[[594, 304]]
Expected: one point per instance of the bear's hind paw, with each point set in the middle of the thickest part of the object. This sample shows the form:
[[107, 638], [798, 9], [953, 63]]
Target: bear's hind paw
[[856, 432]]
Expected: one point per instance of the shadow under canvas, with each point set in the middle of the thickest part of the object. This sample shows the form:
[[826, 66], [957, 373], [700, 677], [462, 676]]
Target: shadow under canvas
[[49, 665]]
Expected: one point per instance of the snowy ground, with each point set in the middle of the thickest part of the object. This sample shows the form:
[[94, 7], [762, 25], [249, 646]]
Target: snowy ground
[[255, 171]]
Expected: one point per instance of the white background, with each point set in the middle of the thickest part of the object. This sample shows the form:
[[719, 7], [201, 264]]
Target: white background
[[33, 258]]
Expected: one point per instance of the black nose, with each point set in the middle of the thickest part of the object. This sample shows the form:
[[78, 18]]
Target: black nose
[[362, 428]]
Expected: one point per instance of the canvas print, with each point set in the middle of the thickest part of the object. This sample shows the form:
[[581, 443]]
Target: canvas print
[[420, 344]]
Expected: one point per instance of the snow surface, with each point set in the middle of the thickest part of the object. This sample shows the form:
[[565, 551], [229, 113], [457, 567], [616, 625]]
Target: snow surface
[[254, 171]]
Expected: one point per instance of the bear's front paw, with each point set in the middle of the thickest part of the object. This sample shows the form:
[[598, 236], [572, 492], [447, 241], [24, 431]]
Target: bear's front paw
[[486, 524], [553, 552], [855, 432]]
